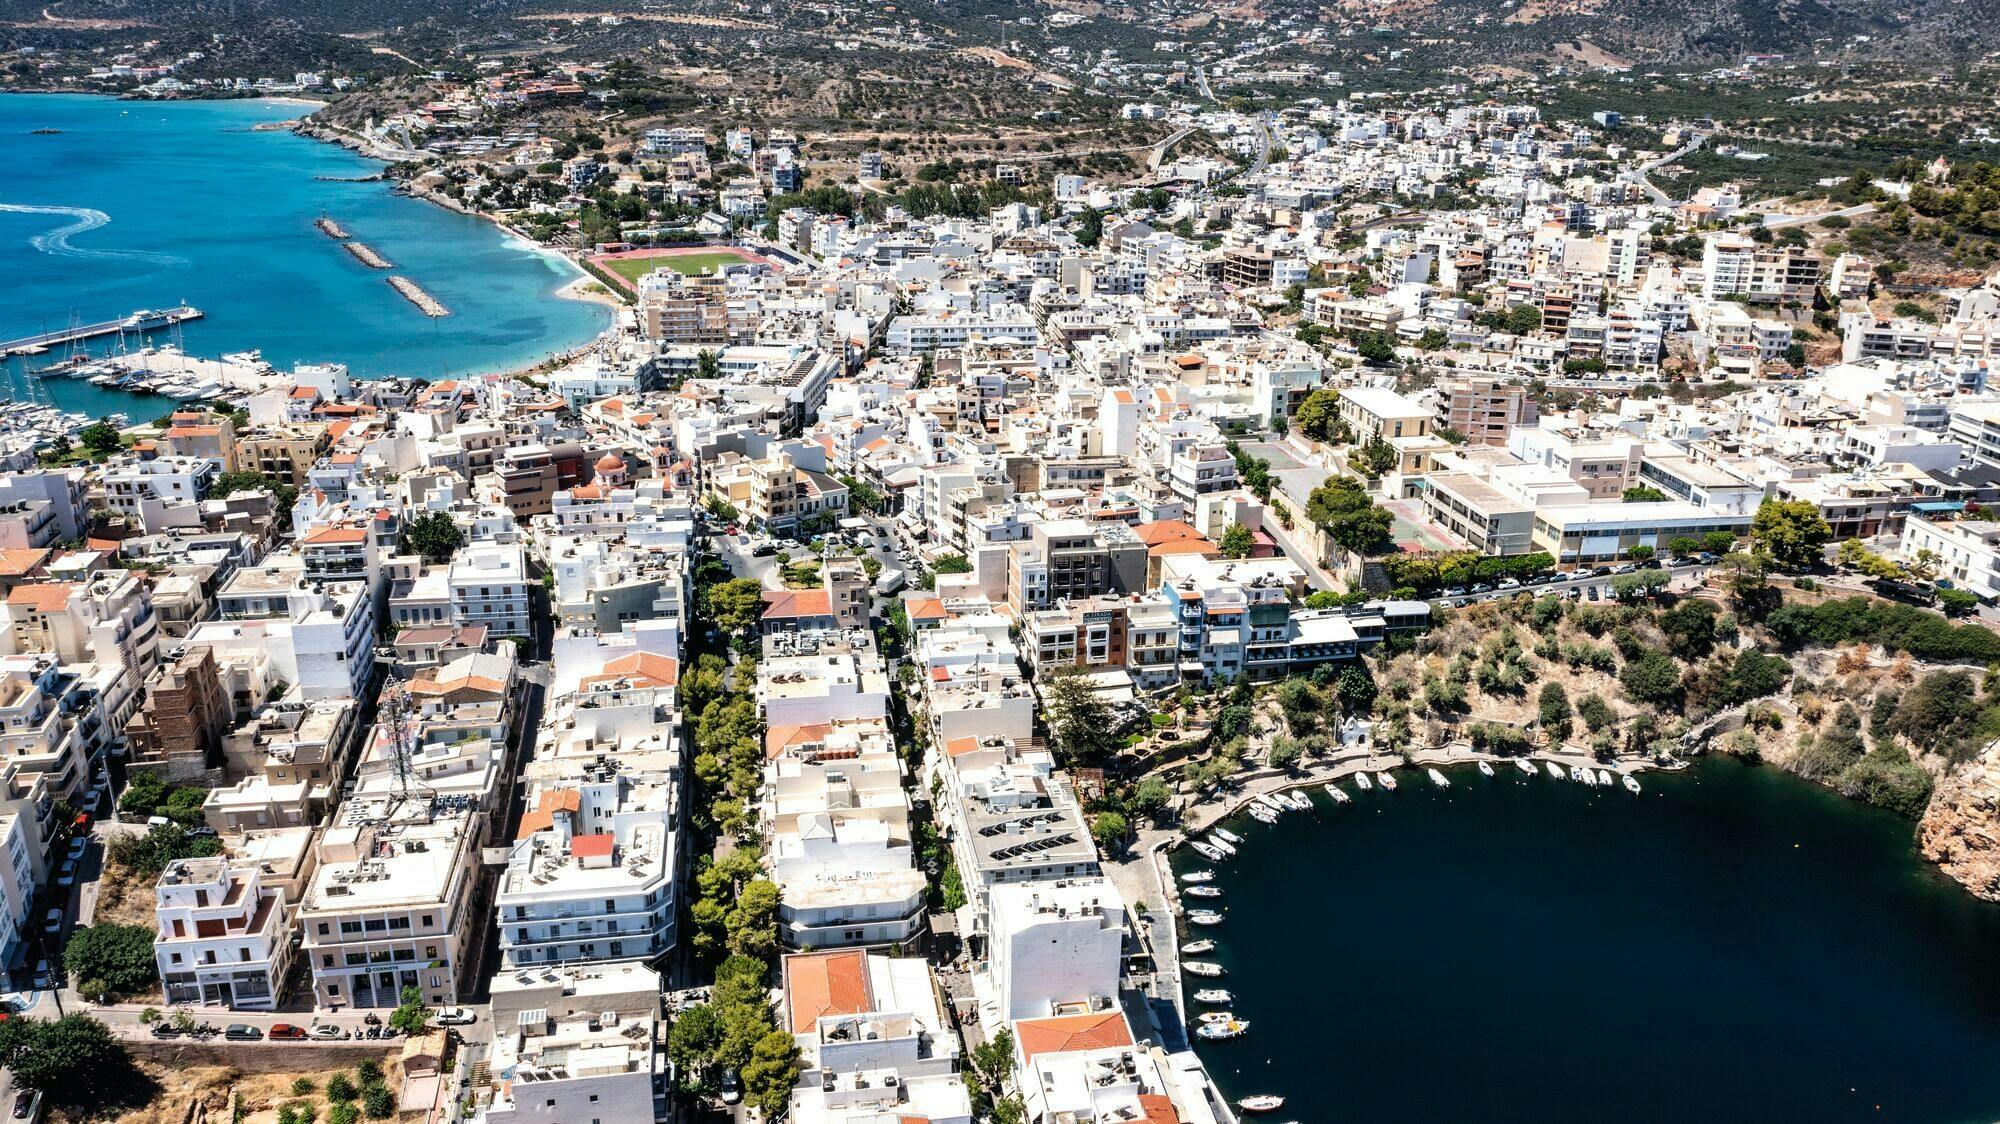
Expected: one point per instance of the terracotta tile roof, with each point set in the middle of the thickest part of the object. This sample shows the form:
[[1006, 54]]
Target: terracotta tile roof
[[592, 846], [304, 392], [42, 597], [958, 746], [928, 608], [1035, 1037], [1158, 1109], [1165, 530], [336, 536], [777, 739], [1184, 546], [825, 983], [16, 561], [795, 603], [547, 803], [643, 669]]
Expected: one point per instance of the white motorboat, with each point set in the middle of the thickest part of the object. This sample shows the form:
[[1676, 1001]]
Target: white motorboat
[[1206, 852], [1575, 773], [1587, 777], [1202, 968], [1604, 777], [1196, 948], [1264, 801], [1203, 891], [1555, 770], [1262, 814], [1197, 876], [1213, 995], [1225, 836], [1437, 778], [1338, 794], [1263, 1102], [1226, 848], [1362, 782], [1301, 801], [1218, 1032], [1386, 781], [1485, 769], [1631, 785], [1215, 1017], [1527, 767], [1204, 917]]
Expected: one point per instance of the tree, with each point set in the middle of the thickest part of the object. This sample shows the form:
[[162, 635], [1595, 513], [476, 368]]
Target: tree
[[1791, 532], [1109, 829], [101, 436], [752, 922], [1683, 544], [1644, 493], [952, 564], [1284, 752], [1375, 347], [434, 535], [57, 1057], [120, 956], [1349, 516], [1652, 678], [1719, 542], [691, 1042], [1317, 413], [378, 1102], [340, 1088], [411, 1017], [1080, 725], [1754, 675], [771, 1072], [707, 365], [1149, 798], [1595, 712], [736, 604], [1374, 458], [1237, 541], [1553, 709], [1355, 689]]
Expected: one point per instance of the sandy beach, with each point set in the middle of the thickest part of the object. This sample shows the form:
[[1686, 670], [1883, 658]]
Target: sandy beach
[[588, 288]]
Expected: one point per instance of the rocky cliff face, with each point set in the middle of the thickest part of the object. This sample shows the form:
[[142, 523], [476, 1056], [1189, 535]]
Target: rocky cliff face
[[1960, 830]]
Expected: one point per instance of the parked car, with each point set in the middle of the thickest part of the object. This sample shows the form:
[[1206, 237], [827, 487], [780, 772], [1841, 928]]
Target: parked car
[[327, 1032], [1507, 583], [1625, 569], [732, 1089], [242, 1032], [164, 1029], [45, 975], [67, 876], [287, 1032], [77, 847], [53, 922], [763, 550], [1591, 593], [453, 1016], [1482, 587], [28, 1104], [1455, 591]]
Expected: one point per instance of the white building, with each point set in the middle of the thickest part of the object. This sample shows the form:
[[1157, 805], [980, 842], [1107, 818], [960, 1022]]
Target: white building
[[224, 937], [488, 583]]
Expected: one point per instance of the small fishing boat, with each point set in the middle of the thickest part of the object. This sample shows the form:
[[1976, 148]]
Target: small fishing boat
[[1261, 800], [1262, 814], [1218, 1032], [1555, 770], [1604, 777], [1575, 773], [1527, 767], [1204, 917], [1587, 777], [1338, 794], [1204, 891], [1225, 836], [1301, 801], [1437, 778], [1362, 782], [1386, 781], [1196, 876], [1215, 1017], [1213, 995], [1202, 968], [1206, 852], [1631, 785], [1263, 1102], [1226, 848], [1196, 948], [1485, 770]]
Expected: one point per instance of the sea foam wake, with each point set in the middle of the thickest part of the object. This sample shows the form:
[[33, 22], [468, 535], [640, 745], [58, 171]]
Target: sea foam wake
[[57, 241]]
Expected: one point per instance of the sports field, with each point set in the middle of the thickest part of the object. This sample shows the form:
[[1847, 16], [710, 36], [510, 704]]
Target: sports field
[[636, 264]]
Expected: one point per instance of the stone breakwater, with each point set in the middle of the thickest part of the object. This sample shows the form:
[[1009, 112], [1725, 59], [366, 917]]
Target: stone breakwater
[[1960, 828], [415, 294]]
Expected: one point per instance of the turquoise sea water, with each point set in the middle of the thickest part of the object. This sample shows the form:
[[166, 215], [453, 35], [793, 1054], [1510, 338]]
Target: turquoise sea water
[[1732, 945], [149, 204]]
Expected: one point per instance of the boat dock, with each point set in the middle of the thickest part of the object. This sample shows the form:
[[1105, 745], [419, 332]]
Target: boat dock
[[175, 374], [144, 320], [415, 294], [331, 228], [366, 255]]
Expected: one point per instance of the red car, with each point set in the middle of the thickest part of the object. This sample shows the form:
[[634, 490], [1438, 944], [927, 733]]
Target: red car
[[287, 1032]]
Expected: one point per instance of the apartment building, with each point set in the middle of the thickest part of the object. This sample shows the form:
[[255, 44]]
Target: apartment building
[[225, 938], [388, 906], [1736, 265], [1375, 414], [591, 874], [1968, 551], [874, 1040], [488, 586], [1483, 410]]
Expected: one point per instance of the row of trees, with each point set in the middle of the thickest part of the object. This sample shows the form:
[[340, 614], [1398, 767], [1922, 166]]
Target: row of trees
[[1424, 573]]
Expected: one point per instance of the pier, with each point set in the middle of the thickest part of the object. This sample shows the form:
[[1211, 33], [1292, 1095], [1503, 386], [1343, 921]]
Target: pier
[[144, 320], [366, 255], [331, 228], [415, 294]]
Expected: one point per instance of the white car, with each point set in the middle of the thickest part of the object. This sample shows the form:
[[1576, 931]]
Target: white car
[[67, 876], [453, 1016], [327, 1032], [45, 976], [77, 847], [53, 922]]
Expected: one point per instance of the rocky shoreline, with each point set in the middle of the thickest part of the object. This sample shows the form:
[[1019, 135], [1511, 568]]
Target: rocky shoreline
[[1960, 828]]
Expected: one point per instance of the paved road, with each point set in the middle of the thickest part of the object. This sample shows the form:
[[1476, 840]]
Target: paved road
[[1655, 193]]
